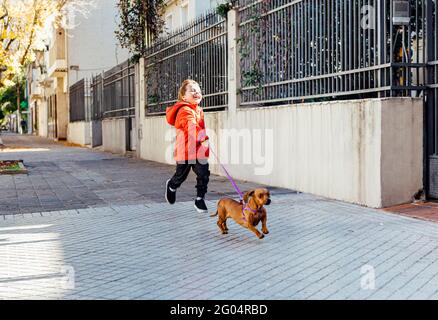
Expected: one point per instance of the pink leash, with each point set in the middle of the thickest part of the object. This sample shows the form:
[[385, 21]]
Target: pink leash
[[245, 205]]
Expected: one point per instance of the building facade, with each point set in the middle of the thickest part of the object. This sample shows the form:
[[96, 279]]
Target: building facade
[[180, 12], [307, 96], [86, 47]]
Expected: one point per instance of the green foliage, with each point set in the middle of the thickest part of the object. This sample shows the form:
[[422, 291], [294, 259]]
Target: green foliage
[[153, 98], [135, 58], [9, 165], [7, 107], [8, 99], [223, 8], [140, 22], [254, 76]]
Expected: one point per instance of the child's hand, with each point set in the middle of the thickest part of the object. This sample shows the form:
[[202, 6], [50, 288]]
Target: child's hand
[[205, 143]]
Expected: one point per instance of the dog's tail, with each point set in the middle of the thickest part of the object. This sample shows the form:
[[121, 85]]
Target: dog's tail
[[217, 212], [214, 214]]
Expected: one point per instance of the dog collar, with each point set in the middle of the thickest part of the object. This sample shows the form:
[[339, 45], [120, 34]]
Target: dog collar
[[245, 207], [252, 210]]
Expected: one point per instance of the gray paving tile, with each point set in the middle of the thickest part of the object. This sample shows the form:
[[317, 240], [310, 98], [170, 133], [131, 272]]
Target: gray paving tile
[[160, 252], [100, 220]]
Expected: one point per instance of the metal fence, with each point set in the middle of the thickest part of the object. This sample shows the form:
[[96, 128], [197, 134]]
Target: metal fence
[[97, 98], [197, 51], [313, 50], [119, 91], [113, 93], [80, 101], [433, 78], [431, 167]]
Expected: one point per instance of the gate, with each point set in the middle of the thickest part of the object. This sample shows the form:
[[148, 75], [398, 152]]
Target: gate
[[80, 99], [431, 105]]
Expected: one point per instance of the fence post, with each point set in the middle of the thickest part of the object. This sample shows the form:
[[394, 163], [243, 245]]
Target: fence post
[[233, 62], [381, 43], [430, 105], [139, 102], [102, 96]]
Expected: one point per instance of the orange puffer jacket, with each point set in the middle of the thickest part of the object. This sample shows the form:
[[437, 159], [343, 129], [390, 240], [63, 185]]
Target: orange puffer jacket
[[188, 120]]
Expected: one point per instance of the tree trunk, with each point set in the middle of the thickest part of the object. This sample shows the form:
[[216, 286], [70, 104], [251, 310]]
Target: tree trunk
[[18, 109]]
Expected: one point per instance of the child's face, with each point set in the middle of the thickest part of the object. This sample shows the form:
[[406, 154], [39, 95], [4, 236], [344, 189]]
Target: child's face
[[193, 94]]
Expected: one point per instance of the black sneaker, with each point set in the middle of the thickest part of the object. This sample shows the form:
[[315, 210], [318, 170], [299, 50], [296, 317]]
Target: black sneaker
[[170, 194], [200, 205]]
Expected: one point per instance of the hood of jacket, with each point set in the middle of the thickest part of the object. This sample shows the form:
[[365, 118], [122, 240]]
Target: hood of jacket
[[171, 112]]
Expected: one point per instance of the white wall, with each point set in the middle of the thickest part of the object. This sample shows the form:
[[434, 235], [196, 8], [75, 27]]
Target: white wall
[[92, 44], [79, 133], [114, 135], [173, 16], [42, 118], [402, 149], [202, 6], [367, 152], [195, 9]]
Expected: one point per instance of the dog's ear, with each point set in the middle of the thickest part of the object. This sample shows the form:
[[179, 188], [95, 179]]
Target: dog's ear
[[247, 195]]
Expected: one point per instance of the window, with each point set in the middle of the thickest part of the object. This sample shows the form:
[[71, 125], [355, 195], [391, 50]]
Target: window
[[184, 13], [169, 23]]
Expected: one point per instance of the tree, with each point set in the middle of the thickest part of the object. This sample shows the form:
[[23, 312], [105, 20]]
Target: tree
[[26, 25], [9, 94], [140, 23], [8, 99]]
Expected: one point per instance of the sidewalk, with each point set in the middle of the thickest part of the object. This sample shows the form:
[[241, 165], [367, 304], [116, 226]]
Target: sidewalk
[[316, 249], [62, 177]]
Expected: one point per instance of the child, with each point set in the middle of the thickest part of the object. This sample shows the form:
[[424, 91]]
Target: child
[[191, 146]]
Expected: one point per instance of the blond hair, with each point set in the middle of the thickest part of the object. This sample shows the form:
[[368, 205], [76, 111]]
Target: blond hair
[[182, 90]]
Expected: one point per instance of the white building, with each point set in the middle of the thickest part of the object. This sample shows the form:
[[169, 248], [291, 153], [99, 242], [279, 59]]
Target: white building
[[180, 12], [91, 45], [87, 47]]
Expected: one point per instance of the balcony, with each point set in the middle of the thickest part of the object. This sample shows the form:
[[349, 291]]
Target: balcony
[[58, 69], [36, 92], [46, 81], [57, 55]]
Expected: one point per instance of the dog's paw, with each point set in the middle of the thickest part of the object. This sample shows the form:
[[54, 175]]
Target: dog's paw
[[266, 231], [261, 236]]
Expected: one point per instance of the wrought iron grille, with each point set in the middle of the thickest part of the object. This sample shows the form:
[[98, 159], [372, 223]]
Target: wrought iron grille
[[119, 91], [431, 152], [197, 51], [315, 50], [97, 98], [80, 101]]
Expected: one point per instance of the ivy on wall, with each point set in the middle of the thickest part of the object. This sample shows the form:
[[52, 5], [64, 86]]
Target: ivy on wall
[[253, 42], [140, 23], [223, 8]]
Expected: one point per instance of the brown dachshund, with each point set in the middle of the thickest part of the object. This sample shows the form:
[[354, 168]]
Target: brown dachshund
[[248, 216]]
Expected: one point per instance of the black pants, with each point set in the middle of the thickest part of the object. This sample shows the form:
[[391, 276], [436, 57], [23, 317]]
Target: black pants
[[183, 170]]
